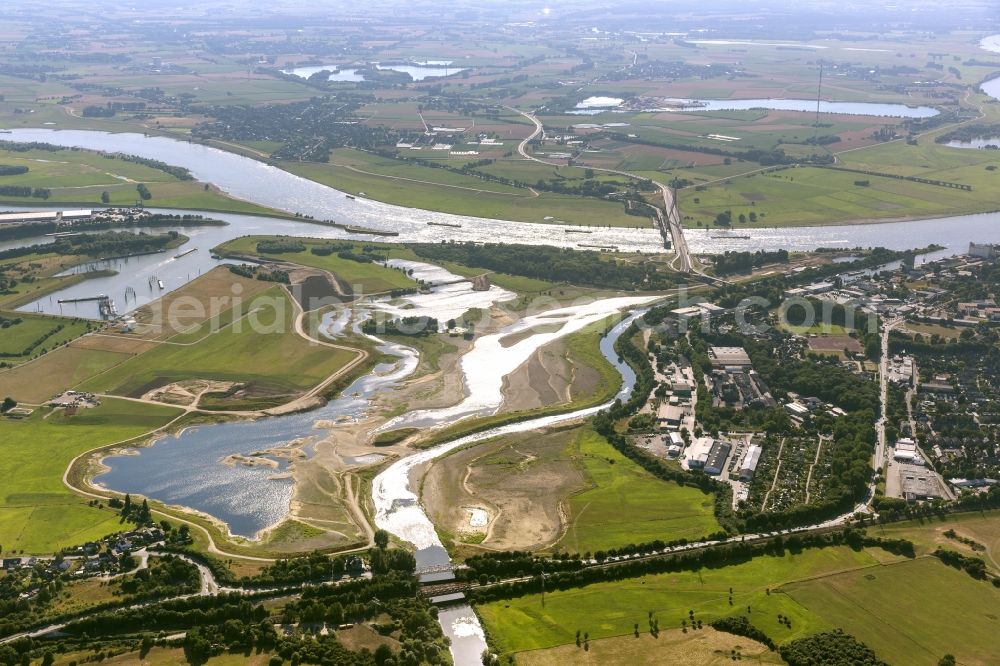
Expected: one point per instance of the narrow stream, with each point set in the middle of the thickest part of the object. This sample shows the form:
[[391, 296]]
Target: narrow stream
[[398, 508]]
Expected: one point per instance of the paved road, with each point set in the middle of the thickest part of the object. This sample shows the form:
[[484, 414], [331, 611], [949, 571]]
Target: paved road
[[881, 446], [669, 222]]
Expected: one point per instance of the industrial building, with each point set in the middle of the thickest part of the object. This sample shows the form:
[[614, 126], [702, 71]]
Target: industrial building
[[43, 216], [697, 311], [670, 415], [905, 450], [984, 250], [901, 369], [699, 451], [717, 457], [749, 464], [918, 484], [728, 357]]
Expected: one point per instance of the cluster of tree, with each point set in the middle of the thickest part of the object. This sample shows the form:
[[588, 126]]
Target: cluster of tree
[[721, 555], [259, 273], [140, 515], [280, 246], [394, 595], [202, 642], [740, 625], [166, 576], [308, 130], [97, 111], [974, 566], [553, 264], [745, 262], [25, 191], [12, 170], [327, 250], [312, 568], [28, 146], [34, 229], [406, 326], [823, 140], [180, 173], [508, 564], [176, 615], [829, 649], [967, 133], [120, 243]]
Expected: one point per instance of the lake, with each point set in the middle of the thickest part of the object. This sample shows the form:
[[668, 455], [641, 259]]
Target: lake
[[596, 105], [418, 71]]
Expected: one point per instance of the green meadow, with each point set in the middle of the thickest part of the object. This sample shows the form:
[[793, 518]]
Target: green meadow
[[267, 356], [613, 608], [627, 505], [38, 514]]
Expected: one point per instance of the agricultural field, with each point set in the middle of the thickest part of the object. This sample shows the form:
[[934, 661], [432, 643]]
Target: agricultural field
[[611, 609], [57, 371], [705, 647], [907, 611], [566, 490], [38, 514], [24, 335], [928, 535], [892, 605], [810, 195], [656, 509]]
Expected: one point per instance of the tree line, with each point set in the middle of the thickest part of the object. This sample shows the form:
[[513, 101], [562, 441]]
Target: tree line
[[543, 262], [710, 557]]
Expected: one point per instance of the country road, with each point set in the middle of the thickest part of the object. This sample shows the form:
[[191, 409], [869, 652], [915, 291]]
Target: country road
[[669, 222]]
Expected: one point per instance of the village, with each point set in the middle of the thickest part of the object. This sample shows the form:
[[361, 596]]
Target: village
[[939, 366]]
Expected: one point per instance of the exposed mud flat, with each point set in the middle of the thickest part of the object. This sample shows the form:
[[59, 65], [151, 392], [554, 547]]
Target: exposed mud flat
[[524, 481]]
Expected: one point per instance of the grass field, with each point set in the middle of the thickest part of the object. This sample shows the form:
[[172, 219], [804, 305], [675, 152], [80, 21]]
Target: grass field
[[269, 357], [808, 195], [55, 372], [38, 514], [562, 489], [17, 341], [81, 176], [928, 535], [462, 195], [628, 505], [612, 609], [364, 278], [705, 647], [910, 613]]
